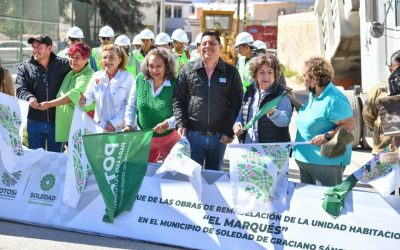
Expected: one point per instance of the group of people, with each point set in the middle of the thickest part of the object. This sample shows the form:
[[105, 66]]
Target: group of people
[[176, 94]]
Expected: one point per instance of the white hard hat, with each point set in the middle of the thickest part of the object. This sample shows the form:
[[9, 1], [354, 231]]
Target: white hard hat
[[146, 34], [106, 31], [198, 38], [136, 40], [180, 36], [122, 40], [75, 32], [244, 38], [162, 39], [260, 44]]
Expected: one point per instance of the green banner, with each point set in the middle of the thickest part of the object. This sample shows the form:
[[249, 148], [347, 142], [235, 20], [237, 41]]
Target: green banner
[[269, 105], [119, 163]]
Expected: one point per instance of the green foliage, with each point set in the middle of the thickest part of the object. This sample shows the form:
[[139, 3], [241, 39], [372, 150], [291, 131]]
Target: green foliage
[[288, 72], [123, 16]]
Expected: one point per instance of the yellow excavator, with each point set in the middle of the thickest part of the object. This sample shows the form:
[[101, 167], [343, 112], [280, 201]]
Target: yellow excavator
[[222, 22]]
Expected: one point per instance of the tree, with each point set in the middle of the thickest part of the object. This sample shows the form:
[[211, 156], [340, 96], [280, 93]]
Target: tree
[[123, 16]]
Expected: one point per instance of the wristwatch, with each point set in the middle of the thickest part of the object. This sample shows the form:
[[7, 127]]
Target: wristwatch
[[327, 136]]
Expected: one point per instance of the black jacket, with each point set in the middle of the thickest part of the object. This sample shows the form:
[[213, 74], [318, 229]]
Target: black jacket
[[394, 82], [202, 107], [31, 83]]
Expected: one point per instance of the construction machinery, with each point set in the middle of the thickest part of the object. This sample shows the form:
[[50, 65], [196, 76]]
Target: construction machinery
[[358, 38], [223, 23]]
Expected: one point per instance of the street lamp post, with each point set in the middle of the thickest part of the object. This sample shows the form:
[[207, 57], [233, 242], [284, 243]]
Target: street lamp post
[[162, 15], [238, 17]]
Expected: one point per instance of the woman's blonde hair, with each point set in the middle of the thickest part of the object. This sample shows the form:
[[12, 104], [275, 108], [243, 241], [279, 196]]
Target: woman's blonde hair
[[120, 52], [269, 59], [320, 68]]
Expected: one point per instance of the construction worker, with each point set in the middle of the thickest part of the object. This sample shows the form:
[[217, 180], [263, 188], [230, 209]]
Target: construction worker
[[182, 56], [163, 40], [75, 35], [195, 54], [147, 39], [136, 42], [132, 65], [245, 47], [261, 46], [124, 43], [106, 35]]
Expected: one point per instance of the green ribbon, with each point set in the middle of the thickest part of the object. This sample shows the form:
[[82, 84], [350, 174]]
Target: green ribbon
[[269, 105], [335, 196]]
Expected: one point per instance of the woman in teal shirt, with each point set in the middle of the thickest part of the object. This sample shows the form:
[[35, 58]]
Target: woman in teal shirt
[[326, 111], [74, 83]]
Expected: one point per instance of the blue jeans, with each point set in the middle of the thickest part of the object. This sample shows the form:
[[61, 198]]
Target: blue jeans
[[206, 150], [42, 133]]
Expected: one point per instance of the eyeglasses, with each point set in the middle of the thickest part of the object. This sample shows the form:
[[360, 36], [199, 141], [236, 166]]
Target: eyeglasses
[[105, 38], [74, 39], [45, 81]]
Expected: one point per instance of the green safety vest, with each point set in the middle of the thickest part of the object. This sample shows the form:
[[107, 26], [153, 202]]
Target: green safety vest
[[244, 72], [131, 66], [180, 60], [96, 53], [63, 53], [137, 60]]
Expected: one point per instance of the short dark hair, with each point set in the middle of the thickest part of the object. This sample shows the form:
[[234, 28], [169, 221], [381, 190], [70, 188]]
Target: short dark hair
[[265, 58], [211, 33], [395, 58]]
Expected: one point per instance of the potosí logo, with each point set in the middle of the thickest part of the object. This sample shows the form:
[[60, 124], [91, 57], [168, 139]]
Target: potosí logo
[[9, 180], [6, 192]]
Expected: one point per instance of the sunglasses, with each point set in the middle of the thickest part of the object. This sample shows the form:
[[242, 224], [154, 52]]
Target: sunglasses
[[74, 39], [105, 38]]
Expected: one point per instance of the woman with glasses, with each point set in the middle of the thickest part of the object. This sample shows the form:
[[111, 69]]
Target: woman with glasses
[[109, 89], [150, 102], [74, 83]]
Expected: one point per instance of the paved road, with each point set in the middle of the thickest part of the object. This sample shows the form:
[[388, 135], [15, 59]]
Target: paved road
[[20, 236]]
